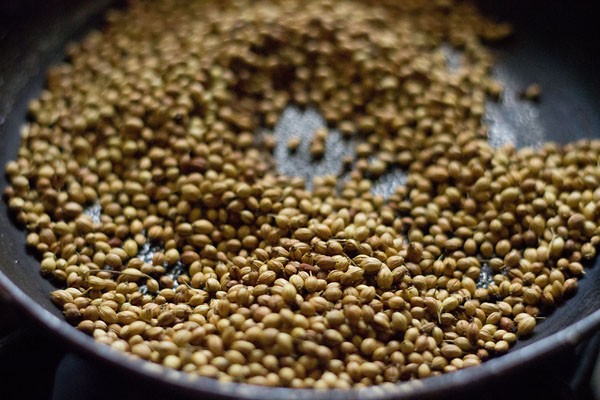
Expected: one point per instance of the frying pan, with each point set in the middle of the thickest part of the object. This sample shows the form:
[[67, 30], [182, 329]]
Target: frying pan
[[556, 45]]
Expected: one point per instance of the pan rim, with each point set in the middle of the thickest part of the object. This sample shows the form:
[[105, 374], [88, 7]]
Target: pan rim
[[192, 384]]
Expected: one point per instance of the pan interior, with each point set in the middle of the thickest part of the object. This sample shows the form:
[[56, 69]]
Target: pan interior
[[551, 48]]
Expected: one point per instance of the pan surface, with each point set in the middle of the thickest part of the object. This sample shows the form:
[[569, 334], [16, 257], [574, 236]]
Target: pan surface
[[554, 46]]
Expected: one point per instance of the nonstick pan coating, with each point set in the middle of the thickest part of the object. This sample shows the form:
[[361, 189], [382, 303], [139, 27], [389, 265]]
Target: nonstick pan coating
[[555, 45]]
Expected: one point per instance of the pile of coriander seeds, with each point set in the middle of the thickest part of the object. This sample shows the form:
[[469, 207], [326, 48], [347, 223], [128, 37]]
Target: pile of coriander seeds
[[201, 257]]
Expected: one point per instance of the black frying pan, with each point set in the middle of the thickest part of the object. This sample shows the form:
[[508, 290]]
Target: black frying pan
[[556, 44]]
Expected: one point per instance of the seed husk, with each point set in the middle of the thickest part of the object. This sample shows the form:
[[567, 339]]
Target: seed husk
[[525, 325]]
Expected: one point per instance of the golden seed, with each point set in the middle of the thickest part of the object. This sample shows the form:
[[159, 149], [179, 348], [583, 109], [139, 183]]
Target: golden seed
[[525, 325], [293, 144]]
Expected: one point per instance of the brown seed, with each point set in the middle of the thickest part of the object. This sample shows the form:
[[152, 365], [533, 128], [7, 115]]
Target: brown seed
[[451, 351], [289, 293], [61, 297], [166, 318], [113, 260], [385, 278], [370, 265], [72, 209], [191, 192]]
